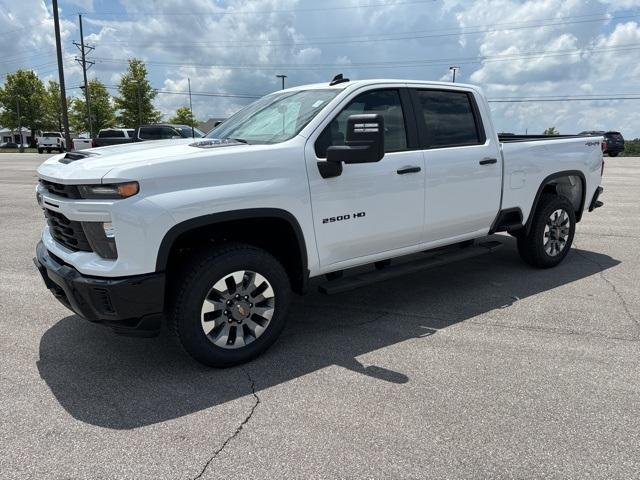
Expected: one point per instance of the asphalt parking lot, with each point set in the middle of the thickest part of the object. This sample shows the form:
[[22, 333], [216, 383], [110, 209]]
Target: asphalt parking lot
[[482, 369]]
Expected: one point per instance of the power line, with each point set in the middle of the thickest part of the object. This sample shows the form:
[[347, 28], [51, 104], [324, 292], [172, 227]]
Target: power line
[[260, 12], [388, 64], [566, 99], [338, 40]]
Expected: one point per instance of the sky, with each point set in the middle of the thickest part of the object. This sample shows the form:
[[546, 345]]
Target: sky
[[526, 54]]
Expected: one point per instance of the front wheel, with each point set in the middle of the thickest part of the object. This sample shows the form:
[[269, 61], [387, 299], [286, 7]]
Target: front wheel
[[551, 235], [230, 304]]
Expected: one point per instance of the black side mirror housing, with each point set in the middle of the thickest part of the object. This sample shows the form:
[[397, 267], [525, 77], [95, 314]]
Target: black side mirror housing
[[364, 143]]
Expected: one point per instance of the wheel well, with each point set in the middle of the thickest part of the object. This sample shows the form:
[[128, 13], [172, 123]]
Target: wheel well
[[568, 184], [273, 234]]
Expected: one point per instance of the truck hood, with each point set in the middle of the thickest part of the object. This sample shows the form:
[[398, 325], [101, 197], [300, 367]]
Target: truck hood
[[90, 166]]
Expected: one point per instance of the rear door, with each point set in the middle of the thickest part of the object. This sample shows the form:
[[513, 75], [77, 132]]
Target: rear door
[[371, 207], [463, 164]]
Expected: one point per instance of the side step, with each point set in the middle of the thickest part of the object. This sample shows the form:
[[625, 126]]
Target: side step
[[344, 284]]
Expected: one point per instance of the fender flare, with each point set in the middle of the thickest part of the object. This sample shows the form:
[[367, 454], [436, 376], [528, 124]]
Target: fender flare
[[545, 182], [207, 220]]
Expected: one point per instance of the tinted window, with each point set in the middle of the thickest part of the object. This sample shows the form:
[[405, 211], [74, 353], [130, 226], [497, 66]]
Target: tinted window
[[130, 133], [110, 134], [613, 136], [448, 117], [385, 102], [150, 133], [52, 134]]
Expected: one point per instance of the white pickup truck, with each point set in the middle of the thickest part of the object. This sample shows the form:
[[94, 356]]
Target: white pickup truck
[[214, 234], [51, 141]]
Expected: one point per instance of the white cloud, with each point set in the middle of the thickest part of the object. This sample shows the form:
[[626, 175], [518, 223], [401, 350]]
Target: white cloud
[[235, 47]]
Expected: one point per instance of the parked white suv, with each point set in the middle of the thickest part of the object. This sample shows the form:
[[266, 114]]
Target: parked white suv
[[214, 234]]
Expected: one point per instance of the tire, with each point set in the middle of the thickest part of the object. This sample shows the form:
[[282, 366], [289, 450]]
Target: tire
[[613, 154], [61, 149], [40, 150], [203, 286], [551, 235]]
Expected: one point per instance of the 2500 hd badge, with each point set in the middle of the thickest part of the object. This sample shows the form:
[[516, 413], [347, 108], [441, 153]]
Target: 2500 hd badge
[[340, 218]]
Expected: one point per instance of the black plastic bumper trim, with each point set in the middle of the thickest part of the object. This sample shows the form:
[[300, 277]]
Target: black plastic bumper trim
[[594, 202], [130, 305]]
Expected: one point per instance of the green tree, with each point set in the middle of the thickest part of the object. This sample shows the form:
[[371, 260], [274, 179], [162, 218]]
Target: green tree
[[24, 90], [52, 107], [551, 131], [184, 116], [103, 113], [135, 99]]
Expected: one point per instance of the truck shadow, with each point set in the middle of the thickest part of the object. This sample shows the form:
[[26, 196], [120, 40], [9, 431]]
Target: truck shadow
[[124, 383]]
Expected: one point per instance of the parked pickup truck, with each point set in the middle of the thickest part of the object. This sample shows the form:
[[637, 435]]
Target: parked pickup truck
[[51, 141], [214, 234]]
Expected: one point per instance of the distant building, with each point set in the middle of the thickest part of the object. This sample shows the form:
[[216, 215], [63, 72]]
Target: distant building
[[207, 126], [8, 135]]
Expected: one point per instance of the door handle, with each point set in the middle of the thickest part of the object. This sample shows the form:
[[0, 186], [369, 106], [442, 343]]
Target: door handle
[[488, 161], [405, 170]]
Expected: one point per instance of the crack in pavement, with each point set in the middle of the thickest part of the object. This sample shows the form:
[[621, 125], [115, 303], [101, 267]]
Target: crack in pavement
[[623, 302], [238, 430]]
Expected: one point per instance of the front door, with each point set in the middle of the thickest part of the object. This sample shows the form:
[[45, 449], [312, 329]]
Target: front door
[[371, 207]]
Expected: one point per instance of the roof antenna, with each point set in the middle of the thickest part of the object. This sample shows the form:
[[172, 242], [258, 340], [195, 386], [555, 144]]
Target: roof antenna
[[338, 79]]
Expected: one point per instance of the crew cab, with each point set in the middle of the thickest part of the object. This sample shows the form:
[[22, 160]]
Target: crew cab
[[212, 235], [51, 141]]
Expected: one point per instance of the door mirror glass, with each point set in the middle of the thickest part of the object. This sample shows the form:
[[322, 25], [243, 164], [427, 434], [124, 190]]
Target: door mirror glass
[[364, 140]]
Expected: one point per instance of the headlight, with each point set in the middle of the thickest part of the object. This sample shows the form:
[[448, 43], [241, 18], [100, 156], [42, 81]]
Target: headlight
[[109, 191]]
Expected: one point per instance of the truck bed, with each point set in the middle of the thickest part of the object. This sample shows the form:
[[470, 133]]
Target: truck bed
[[507, 138]]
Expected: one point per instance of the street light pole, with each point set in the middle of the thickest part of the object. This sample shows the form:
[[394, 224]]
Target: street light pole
[[282, 77], [454, 69], [139, 104], [193, 133]]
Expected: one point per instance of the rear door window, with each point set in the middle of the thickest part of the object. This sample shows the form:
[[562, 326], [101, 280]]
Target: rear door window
[[150, 133], [448, 119]]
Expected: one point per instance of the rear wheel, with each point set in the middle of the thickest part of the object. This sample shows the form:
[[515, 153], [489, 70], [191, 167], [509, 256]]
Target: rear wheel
[[40, 150], [551, 235], [613, 154], [230, 305]]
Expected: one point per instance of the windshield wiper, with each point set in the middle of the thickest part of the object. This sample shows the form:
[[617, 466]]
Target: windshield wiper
[[239, 140]]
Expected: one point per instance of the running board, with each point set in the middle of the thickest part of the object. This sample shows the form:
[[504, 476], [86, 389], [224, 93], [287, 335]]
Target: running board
[[344, 284]]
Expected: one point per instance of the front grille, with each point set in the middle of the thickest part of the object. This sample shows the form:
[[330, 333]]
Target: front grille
[[66, 191], [67, 232]]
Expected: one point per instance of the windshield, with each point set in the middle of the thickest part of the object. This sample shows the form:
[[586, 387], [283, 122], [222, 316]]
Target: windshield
[[185, 132], [275, 118]]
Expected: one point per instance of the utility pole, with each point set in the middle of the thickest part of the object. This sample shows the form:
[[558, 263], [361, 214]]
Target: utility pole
[[282, 77], [21, 147], [84, 49], [193, 133], [63, 91], [454, 69]]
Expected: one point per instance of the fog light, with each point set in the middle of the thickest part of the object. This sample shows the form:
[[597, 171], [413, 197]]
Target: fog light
[[109, 230]]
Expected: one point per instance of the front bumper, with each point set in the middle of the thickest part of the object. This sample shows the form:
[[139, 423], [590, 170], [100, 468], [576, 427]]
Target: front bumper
[[130, 305]]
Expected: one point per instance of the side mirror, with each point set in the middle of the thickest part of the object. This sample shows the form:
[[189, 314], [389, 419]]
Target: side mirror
[[364, 144]]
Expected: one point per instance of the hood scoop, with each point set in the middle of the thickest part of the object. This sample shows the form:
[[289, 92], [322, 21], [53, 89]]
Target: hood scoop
[[216, 142], [73, 156]]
